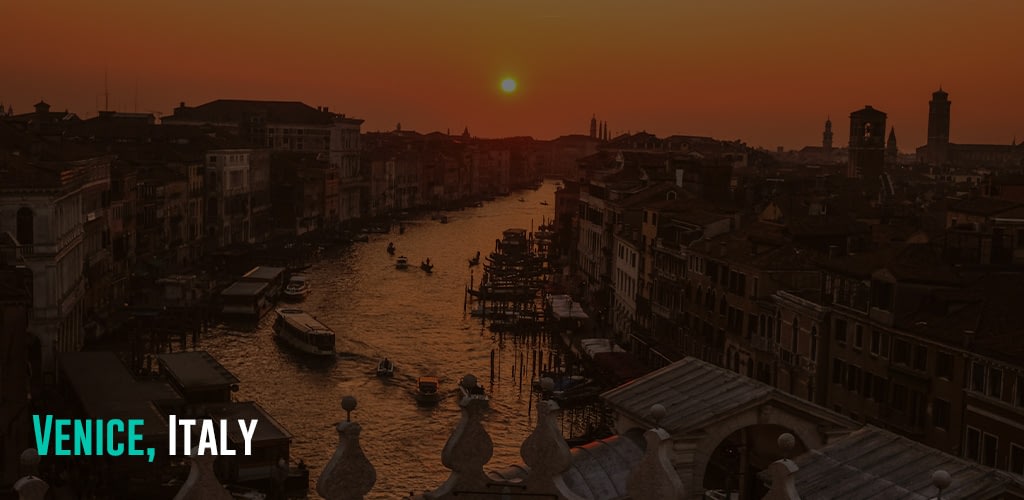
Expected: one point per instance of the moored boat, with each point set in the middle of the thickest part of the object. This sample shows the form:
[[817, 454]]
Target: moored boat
[[385, 368], [297, 288], [303, 332], [427, 392]]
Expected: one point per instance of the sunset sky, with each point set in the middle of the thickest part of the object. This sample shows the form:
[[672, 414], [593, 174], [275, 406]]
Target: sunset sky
[[765, 72]]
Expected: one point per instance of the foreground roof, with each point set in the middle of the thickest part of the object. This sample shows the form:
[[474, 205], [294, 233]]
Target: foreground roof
[[877, 464]]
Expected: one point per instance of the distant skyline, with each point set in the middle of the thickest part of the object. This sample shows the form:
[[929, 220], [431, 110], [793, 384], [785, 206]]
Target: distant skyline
[[766, 73]]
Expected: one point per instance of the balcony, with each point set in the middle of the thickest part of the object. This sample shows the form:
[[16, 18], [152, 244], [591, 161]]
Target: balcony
[[764, 345], [661, 311]]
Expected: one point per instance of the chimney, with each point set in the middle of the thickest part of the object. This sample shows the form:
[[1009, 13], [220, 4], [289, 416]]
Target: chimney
[[326, 110], [182, 104]]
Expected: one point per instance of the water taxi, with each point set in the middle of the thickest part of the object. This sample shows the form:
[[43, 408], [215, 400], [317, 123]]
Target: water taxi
[[297, 288], [303, 332], [427, 391]]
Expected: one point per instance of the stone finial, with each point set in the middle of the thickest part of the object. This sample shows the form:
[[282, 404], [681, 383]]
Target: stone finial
[[547, 384], [783, 471], [657, 413], [30, 462], [202, 481], [31, 488], [655, 476], [547, 454], [786, 442], [348, 475], [941, 480], [469, 447]]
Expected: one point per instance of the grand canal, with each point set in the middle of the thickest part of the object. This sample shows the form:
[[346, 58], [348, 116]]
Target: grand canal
[[416, 319]]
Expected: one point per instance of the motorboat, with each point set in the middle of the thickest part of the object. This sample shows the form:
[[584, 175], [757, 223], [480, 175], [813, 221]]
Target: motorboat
[[402, 263], [297, 288], [303, 332], [427, 266], [427, 392], [545, 202], [386, 368]]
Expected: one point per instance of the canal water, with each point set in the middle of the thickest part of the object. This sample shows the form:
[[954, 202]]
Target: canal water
[[416, 319]]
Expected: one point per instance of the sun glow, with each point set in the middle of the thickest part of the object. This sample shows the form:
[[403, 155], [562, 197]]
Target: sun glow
[[508, 85]]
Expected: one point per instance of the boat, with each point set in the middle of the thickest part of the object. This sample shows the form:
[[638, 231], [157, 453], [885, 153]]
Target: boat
[[402, 263], [297, 288], [245, 299], [545, 202], [470, 388], [303, 332], [391, 248], [444, 219], [522, 199], [427, 391], [386, 368], [427, 266], [272, 276]]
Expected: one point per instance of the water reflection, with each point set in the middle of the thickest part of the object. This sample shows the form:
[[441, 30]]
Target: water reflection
[[416, 319]]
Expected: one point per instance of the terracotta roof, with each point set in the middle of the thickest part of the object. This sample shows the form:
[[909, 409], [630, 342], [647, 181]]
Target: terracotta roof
[[236, 110], [983, 206], [873, 463], [918, 263]]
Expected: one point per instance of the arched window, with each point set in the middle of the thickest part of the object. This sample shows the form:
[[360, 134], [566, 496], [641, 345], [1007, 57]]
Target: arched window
[[794, 341], [814, 343], [26, 226]]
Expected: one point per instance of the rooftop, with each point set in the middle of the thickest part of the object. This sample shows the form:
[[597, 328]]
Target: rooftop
[[195, 370]]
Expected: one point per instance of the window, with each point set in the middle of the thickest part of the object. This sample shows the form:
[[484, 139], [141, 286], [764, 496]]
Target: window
[[858, 336], [885, 345], [853, 378], [25, 226], [867, 388], [899, 397], [1020, 390], [794, 340], [978, 377], [972, 444], [838, 370], [920, 357], [989, 447], [944, 365], [900, 351], [814, 348], [995, 383], [841, 331], [876, 341], [940, 414], [1016, 459]]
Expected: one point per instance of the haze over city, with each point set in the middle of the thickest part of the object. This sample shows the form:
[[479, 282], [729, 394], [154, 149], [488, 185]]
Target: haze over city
[[766, 74]]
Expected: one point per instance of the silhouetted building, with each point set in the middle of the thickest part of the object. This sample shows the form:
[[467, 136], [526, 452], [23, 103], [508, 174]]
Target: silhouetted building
[[867, 143], [938, 127], [826, 141], [939, 151], [892, 151]]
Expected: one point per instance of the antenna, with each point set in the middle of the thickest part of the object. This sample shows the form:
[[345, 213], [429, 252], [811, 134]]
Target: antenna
[[136, 95], [106, 92]]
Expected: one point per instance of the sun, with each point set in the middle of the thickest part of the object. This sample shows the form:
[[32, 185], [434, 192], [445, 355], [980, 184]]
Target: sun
[[508, 85]]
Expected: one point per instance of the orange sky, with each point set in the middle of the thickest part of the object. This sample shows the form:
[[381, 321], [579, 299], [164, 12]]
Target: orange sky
[[766, 72]]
